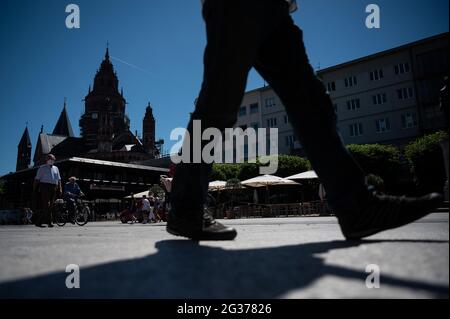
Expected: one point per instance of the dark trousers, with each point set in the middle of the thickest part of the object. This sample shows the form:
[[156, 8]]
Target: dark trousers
[[242, 34], [48, 196]]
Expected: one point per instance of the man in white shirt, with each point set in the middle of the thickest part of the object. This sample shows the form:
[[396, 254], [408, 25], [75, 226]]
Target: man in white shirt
[[145, 209], [48, 183], [242, 34]]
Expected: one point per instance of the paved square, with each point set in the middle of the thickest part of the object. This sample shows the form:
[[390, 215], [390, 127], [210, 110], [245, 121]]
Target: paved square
[[271, 258]]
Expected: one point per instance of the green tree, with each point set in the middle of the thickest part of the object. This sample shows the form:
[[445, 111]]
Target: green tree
[[380, 160], [376, 181], [225, 172], [287, 166], [157, 190], [248, 170], [290, 165], [427, 162]]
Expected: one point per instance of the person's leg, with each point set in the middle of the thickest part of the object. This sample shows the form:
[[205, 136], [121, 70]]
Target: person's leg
[[152, 216], [52, 199], [283, 62], [40, 211], [232, 37], [45, 200], [145, 217], [235, 29]]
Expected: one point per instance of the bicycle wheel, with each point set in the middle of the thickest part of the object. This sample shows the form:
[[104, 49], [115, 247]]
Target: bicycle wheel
[[82, 215], [60, 216]]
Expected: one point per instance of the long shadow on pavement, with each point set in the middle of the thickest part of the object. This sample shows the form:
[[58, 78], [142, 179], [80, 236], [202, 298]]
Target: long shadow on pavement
[[184, 269]]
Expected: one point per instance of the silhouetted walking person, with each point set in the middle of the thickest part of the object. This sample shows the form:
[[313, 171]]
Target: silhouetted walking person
[[48, 183], [242, 34]]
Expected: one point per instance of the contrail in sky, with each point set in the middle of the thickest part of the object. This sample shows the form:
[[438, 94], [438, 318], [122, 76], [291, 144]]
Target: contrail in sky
[[131, 65]]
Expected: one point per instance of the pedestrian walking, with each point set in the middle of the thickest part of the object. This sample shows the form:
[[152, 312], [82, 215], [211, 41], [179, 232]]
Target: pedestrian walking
[[260, 34], [48, 184]]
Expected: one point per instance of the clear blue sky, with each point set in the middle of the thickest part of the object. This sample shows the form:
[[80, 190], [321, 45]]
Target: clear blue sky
[[41, 61]]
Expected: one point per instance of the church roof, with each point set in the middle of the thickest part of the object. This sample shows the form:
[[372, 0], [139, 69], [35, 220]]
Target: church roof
[[46, 143], [70, 147], [63, 126], [127, 138]]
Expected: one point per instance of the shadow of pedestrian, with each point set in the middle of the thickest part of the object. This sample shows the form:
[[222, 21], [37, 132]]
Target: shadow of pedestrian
[[185, 269]]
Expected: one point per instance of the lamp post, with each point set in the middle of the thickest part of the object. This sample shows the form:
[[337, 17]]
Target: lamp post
[[445, 142], [445, 146]]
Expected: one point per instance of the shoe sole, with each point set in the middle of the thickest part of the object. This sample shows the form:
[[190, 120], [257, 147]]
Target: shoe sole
[[366, 233], [207, 237]]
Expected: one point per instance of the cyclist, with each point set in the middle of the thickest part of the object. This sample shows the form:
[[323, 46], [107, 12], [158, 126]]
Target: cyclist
[[71, 192]]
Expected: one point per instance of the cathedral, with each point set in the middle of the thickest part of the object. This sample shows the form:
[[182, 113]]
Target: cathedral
[[104, 129]]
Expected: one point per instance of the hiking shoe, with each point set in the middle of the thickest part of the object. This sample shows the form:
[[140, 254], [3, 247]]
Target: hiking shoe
[[383, 212], [206, 228]]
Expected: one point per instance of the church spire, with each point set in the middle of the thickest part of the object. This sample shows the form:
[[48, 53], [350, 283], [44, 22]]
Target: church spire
[[107, 51], [106, 80], [24, 151], [25, 140], [148, 131], [149, 108], [63, 126]]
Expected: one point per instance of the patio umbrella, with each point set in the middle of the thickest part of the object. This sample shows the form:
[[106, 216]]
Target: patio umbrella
[[217, 185], [268, 180], [308, 176], [140, 195], [305, 175]]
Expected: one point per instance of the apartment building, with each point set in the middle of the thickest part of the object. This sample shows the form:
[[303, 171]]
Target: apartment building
[[390, 97]]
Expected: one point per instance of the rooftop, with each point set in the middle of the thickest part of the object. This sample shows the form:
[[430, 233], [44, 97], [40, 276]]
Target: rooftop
[[384, 53]]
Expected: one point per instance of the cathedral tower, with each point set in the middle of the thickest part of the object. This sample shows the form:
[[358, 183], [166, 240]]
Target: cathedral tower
[[148, 131], [104, 103]]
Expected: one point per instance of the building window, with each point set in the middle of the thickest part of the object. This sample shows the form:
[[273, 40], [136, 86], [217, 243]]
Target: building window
[[409, 120], [286, 119], [289, 141], [350, 82], [376, 75], [401, 68], [383, 125], [272, 122], [255, 125], [353, 105], [356, 129], [254, 108], [331, 86], [379, 99], [94, 115], [243, 111], [405, 93], [270, 102]]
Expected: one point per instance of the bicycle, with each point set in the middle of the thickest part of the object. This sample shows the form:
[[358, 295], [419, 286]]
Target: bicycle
[[76, 213]]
